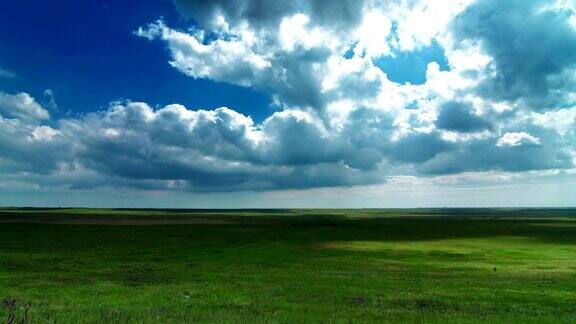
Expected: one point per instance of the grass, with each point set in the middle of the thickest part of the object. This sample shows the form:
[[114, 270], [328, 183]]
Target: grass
[[421, 265]]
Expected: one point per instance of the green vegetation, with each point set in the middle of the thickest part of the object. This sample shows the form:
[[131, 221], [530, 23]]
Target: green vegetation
[[153, 266]]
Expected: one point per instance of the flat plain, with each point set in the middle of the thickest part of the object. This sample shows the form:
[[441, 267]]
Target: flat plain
[[365, 265]]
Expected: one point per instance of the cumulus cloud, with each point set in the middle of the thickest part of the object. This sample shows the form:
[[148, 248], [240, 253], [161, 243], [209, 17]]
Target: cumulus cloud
[[533, 49], [25, 146], [222, 60], [296, 51], [208, 150], [21, 106], [175, 148], [516, 139], [505, 102]]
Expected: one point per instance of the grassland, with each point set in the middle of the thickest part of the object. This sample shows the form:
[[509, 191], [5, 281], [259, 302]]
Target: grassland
[[453, 265]]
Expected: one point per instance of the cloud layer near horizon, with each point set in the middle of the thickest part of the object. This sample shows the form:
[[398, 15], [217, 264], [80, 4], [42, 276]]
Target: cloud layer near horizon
[[506, 103]]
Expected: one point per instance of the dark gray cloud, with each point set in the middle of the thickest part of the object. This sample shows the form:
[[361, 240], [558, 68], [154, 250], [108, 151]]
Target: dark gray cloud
[[419, 148], [486, 156], [457, 116], [533, 46], [264, 14]]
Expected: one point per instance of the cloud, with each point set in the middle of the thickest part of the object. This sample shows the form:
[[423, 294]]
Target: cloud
[[31, 149], [50, 100], [504, 104], [491, 155], [211, 150], [294, 50], [21, 106], [457, 116], [418, 148], [264, 15], [516, 139], [7, 74], [174, 148], [533, 48], [43, 133], [222, 60]]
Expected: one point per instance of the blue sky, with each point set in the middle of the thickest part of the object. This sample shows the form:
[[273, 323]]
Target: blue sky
[[410, 66], [87, 54], [253, 103]]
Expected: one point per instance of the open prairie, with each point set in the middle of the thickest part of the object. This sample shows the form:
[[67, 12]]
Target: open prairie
[[421, 265]]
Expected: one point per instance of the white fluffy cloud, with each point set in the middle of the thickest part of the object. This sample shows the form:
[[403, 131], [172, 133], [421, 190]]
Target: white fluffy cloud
[[21, 106], [517, 139], [26, 146], [221, 60]]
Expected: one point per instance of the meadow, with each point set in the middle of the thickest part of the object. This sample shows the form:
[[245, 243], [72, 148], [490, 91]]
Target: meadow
[[421, 265]]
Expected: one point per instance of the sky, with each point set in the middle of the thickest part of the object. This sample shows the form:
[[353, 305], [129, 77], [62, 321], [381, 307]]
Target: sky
[[303, 103]]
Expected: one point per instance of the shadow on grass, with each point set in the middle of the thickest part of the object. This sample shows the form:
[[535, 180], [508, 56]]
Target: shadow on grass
[[227, 230], [136, 255]]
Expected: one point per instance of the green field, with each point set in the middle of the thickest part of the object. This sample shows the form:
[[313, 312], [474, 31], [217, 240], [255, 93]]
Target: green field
[[452, 265]]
